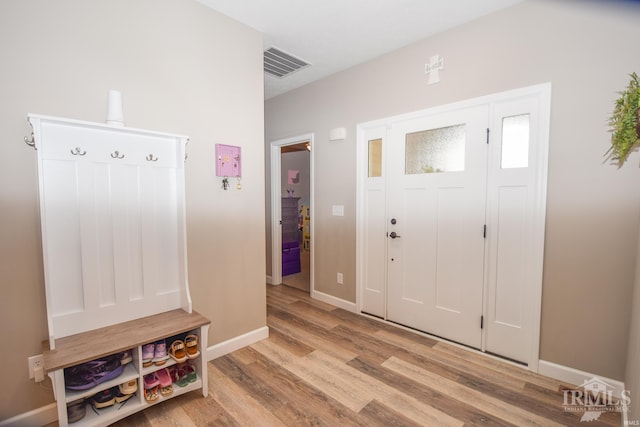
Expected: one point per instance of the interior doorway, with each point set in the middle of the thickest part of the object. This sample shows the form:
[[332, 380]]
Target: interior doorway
[[292, 212], [296, 197]]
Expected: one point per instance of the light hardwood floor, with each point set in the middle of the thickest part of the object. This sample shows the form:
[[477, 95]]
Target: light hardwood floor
[[300, 280], [324, 366]]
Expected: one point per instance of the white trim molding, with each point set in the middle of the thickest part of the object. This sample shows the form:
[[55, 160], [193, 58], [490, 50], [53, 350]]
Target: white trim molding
[[236, 343], [276, 194], [576, 376], [38, 417], [338, 302]]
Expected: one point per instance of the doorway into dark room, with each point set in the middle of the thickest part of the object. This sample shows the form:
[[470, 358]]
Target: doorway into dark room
[[296, 215]]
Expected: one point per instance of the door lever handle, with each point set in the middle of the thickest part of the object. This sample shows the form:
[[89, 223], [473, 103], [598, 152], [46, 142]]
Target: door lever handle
[[393, 235]]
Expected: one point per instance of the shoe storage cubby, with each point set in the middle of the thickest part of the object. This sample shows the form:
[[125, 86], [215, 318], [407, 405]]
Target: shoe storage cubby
[[112, 215], [113, 340]]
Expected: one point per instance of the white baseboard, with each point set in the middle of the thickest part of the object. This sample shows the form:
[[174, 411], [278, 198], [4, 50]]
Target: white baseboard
[[575, 376], [37, 417], [226, 347], [269, 280], [338, 302]]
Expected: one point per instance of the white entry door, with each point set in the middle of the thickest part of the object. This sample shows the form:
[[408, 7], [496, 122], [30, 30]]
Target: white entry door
[[515, 223], [436, 209], [451, 220]]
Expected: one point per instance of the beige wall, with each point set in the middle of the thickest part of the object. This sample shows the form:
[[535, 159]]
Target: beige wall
[[181, 68], [586, 50]]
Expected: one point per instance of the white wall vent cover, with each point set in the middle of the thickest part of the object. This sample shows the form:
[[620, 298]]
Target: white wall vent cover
[[281, 64]]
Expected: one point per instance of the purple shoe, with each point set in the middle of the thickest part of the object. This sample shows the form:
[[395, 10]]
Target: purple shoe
[[91, 374], [148, 352], [160, 355]]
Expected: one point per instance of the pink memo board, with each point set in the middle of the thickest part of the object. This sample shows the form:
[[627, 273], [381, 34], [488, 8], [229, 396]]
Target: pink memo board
[[228, 161]]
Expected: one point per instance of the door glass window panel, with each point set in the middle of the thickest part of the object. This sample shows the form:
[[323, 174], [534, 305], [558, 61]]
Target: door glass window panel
[[375, 157], [515, 142], [435, 150]]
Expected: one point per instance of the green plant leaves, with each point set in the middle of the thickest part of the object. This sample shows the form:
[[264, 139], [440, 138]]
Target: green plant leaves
[[624, 122]]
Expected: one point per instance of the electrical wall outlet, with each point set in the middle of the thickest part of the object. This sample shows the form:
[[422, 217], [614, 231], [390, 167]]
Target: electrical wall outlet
[[36, 368], [340, 279]]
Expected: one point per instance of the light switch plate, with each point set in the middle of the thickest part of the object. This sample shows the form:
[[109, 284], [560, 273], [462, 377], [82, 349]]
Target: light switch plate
[[337, 134], [337, 210]]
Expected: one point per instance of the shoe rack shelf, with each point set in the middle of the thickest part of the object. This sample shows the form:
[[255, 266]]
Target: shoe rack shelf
[[131, 335]]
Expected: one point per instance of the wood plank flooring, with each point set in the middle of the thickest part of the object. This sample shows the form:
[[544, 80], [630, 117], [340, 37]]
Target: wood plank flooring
[[324, 366], [301, 280]]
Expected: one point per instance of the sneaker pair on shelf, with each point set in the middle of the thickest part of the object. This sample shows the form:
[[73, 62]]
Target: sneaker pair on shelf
[[154, 353], [157, 383], [90, 374], [76, 410], [183, 373], [114, 395], [126, 357]]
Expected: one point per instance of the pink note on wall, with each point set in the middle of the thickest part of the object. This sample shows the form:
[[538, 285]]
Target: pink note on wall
[[228, 161]]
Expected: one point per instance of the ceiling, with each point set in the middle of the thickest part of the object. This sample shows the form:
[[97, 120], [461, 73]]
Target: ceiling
[[333, 35]]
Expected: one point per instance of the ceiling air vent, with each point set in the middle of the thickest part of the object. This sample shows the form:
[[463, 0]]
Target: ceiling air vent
[[281, 64]]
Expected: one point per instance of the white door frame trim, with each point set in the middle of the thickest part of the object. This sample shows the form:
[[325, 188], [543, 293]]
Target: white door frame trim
[[276, 205], [543, 91]]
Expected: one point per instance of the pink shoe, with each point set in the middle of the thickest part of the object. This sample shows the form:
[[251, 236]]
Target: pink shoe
[[166, 388], [164, 377], [150, 381]]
